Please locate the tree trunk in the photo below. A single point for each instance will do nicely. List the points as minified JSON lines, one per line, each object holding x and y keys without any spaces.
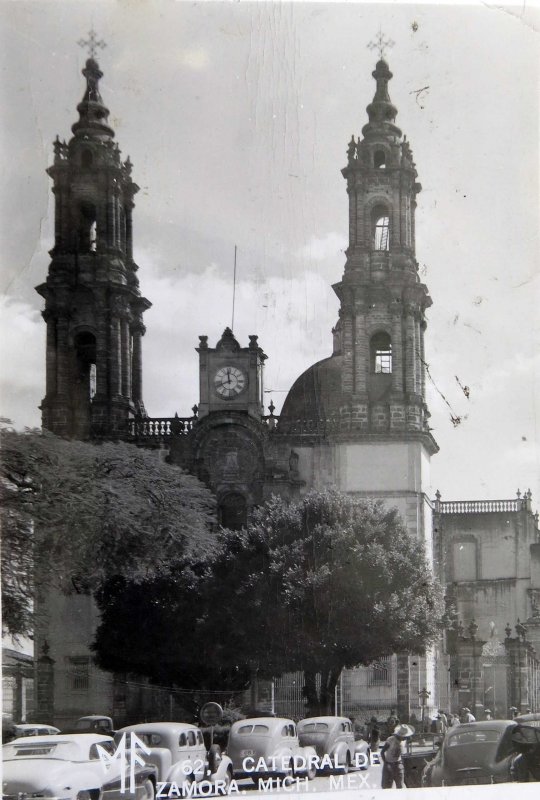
{"x":321,"y":702}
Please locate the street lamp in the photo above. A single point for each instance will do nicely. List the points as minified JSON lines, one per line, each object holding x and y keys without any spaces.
{"x":473,"y":629}
{"x":423,"y":694}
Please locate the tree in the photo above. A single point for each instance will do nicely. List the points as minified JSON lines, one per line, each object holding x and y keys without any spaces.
{"x":75,"y":514}
{"x":319,"y":585}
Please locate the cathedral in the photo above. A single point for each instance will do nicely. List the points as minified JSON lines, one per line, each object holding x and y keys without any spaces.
{"x":357,"y":420}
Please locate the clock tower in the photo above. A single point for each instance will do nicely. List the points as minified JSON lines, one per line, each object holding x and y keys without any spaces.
{"x":231,"y":376}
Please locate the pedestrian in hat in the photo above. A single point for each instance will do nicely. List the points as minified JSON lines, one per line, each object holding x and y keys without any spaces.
{"x":392,"y":756}
{"x":466,"y":716}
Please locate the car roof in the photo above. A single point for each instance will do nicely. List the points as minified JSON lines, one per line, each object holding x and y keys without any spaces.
{"x":27,"y":725}
{"x":327,"y":719}
{"x":159,"y":727}
{"x":94,"y":716}
{"x":56,"y":738}
{"x":527,"y":718}
{"x":270,"y":721}
{"x":497,"y":724}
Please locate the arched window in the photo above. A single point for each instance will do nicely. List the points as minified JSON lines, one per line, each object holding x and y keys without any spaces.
{"x":233,"y":511}
{"x":381,"y":228}
{"x":85,"y":352}
{"x":379,"y":159}
{"x":87,"y":228}
{"x":381,"y":353}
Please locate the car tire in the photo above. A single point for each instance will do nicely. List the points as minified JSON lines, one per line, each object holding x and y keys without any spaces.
{"x":347,"y":765}
{"x":368,"y":759}
{"x":148,"y":790}
{"x":228,"y":778}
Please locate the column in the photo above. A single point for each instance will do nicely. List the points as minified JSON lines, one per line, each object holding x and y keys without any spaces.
{"x":418,"y":355}
{"x":403,"y":700}
{"x":116,"y":358}
{"x":62,"y":355}
{"x":423,"y":326}
{"x":45,"y":687}
{"x":129,"y":232}
{"x":361,"y":359}
{"x":50,"y":358}
{"x":138,"y":331}
{"x":397,"y":351}
{"x":125,"y":348}
{"x":410,"y":345}
{"x":348,"y":360}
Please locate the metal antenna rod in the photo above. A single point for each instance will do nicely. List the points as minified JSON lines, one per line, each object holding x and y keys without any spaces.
{"x":234,"y":290}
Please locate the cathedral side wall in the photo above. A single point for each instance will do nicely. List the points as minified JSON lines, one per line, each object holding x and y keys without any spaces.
{"x":395,"y":472}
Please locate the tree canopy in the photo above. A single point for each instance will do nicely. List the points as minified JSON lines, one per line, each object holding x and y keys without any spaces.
{"x":76,"y":514}
{"x":318,"y":585}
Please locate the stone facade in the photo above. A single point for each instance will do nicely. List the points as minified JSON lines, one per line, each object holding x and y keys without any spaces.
{"x":487,"y":554}
{"x":356,"y":420}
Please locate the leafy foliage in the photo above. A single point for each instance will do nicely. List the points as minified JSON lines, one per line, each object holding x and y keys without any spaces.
{"x":78,"y":514}
{"x":325,"y":583}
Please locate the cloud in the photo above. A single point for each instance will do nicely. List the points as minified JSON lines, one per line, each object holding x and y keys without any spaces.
{"x":291,"y":316}
{"x":324,"y":247}
{"x":22,"y":354}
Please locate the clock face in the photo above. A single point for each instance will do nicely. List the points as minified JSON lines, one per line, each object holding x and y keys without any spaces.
{"x":229,"y":382}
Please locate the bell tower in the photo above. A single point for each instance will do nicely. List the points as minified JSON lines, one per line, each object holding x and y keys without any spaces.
{"x":93,"y":306}
{"x":383,"y":301}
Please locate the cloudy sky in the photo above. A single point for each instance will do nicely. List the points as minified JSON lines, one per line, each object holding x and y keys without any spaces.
{"x":237,"y":118}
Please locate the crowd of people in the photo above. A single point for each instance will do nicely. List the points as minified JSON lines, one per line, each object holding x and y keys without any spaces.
{"x":394,"y":734}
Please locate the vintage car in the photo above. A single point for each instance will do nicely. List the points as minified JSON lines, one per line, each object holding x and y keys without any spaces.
{"x":473,"y":753}
{"x":69,"y":766}
{"x":178,"y":752}
{"x":31,"y":729}
{"x":531,"y":720}
{"x":94,"y":723}
{"x":333,"y":737}
{"x":268,"y":747}
{"x":526,"y":765}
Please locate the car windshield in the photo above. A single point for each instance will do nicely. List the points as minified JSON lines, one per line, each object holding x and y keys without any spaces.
{"x":149,"y":739}
{"x":84,"y":724}
{"x":65,"y":751}
{"x":245,"y":730}
{"x":473,"y":736}
{"x":311,"y":727}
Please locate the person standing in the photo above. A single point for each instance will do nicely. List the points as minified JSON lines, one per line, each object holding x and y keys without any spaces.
{"x":374,"y":735}
{"x":466,"y":716}
{"x":392,"y":756}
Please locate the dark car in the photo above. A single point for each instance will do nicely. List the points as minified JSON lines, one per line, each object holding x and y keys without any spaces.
{"x":474,"y":753}
{"x":526,"y":765}
{"x":531,"y":720}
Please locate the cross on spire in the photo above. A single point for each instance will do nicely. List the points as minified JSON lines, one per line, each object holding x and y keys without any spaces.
{"x":92,"y":43}
{"x":380,"y":43}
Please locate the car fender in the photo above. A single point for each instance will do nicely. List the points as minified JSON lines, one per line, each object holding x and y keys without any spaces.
{"x":178,"y":773}
{"x":309,"y":754}
{"x":282,"y":755}
{"x":224,"y":766}
{"x":340,"y":751}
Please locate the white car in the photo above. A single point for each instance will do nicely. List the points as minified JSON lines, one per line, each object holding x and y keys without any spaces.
{"x":178,"y":752}
{"x":69,"y":767}
{"x":33,"y":729}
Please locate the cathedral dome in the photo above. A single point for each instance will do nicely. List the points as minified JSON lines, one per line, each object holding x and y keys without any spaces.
{"x":314,"y":397}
